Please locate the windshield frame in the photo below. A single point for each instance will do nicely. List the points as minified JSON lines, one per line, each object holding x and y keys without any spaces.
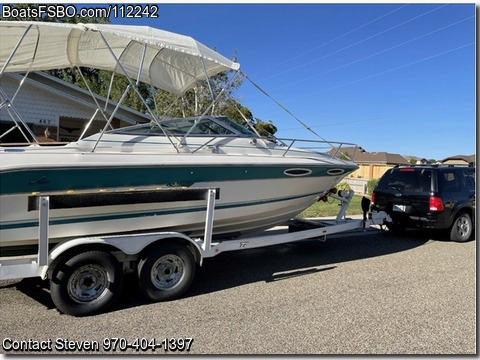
{"x":185,"y":127}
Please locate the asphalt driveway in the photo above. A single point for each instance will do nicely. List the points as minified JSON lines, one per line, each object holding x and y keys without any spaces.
{"x":356,"y":293}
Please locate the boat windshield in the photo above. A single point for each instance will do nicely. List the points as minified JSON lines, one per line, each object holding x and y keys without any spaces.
{"x":211,"y":126}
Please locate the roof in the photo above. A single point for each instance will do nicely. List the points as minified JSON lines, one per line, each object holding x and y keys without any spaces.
{"x":363,"y":157}
{"x":468,"y":159}
{"x":379,"y":158}
{"x":360,"y":156}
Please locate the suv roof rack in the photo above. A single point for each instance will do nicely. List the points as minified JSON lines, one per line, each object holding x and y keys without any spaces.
{"x":435,"y":165}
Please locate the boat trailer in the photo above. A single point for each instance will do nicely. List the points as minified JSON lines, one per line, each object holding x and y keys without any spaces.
{"x":86,"y":274}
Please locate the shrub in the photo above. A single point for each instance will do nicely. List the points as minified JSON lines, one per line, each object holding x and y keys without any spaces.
{"x":371,"y":185}
{"x":343,"y":186}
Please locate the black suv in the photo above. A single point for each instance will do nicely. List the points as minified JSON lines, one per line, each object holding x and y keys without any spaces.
{"x":428,"y":197}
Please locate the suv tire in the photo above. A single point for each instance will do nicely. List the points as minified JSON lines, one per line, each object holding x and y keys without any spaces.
{"x":461,"y":230}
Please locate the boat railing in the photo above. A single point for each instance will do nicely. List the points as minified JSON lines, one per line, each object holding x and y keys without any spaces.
{"x":333,"y":149}
{"x":342,"y":150}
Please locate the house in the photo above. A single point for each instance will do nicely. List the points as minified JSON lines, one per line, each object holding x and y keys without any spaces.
{"x":56,"y":110}
{"x":459,"y":160}
{"x":372,"y":165}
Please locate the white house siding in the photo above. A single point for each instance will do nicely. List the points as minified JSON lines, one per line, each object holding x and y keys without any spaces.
{"x":44,"y":102}
{"x":41,"y":106}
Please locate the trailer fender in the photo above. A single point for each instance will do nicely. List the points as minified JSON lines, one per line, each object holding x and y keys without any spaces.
{"x":130,"y":244}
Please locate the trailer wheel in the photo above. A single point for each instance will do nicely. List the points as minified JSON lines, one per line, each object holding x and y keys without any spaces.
{"x":166,"y":272}
{"x":86,"y":283}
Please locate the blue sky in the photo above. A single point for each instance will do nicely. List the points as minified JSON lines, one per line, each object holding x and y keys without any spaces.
{"x":389,"y":77}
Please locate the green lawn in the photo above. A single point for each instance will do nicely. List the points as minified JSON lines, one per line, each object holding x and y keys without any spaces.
{"x":332,"y":207}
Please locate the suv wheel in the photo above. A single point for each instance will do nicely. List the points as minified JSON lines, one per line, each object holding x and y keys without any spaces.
{"x":462,"y":228}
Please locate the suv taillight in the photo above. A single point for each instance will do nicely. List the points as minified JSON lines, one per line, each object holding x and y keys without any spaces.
{"x":435,"y":203}
{"x":373,"y":198}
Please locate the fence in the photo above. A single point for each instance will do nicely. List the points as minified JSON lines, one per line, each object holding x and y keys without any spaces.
{"x":359,"y":185}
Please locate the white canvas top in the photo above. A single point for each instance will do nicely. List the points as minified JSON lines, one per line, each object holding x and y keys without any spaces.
{"x":172,"y":61}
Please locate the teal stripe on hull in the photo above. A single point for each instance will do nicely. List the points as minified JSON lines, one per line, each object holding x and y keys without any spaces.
{"x":107,"y":217}
{"x":61,"y":179}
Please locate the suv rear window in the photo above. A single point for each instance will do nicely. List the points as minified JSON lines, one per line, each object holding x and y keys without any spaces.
{"x":407,"y":180}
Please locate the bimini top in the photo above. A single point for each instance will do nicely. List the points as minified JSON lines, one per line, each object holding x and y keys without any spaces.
{"x":172,"y":62}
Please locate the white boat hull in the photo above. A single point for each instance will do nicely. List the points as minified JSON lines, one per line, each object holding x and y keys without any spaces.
{"x":243,"y":207}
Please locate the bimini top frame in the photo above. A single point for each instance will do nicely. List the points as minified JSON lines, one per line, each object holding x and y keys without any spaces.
{"x":165,"y":60}
{"x":168,"y":61}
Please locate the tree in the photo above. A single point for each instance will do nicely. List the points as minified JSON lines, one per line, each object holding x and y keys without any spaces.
{"x":198,"y":100}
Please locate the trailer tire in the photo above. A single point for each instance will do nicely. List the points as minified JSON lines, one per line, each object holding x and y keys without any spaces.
{"x":166,"y":272}
{"x":86,"y":283}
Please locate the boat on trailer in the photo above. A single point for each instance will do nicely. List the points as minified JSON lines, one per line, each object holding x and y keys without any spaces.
{"x":260,"y":182}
